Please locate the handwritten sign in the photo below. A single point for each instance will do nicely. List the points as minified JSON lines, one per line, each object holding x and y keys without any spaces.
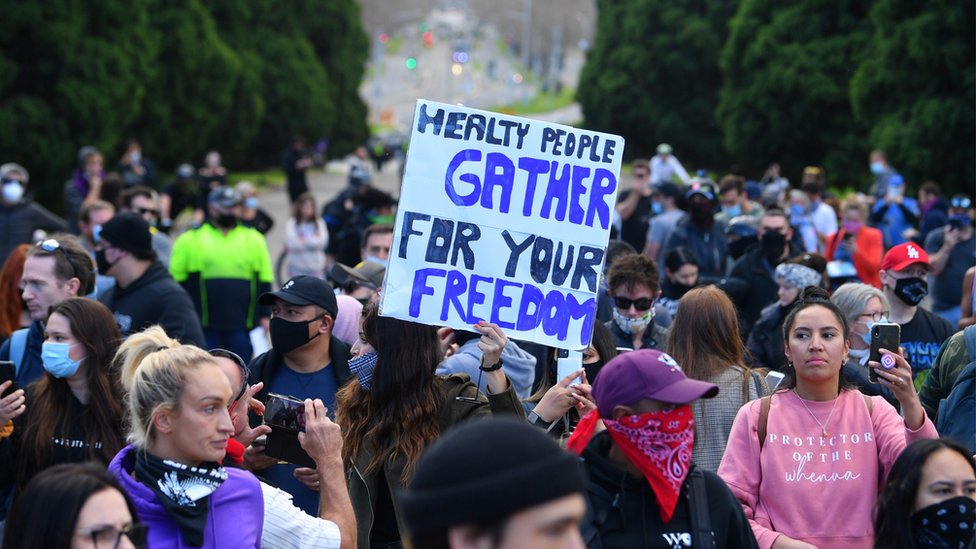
{"x":503,"y":219}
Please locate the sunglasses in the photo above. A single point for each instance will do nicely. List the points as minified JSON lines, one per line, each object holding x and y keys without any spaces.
{"x":961,"y":202}
{"x":236,"y":359}
{"x":50,"y":245}
{"x":641,"y":304}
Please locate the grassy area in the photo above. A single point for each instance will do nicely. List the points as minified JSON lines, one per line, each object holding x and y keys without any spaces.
{"x":274,"y":177}
{"x":543,"y":102}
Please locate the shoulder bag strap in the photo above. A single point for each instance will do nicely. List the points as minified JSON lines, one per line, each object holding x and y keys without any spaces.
{"x":702,"y":536}
{"x":763,"y":419}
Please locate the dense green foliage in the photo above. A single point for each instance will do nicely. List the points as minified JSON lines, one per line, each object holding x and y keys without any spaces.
{"x":806,"y":82}
{"x":182,"y":76}
{"x":653,"y":76}
{"x":916,"y":89}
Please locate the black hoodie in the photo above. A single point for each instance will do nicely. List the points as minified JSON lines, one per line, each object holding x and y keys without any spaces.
{"x":155,"y":298}
{"x":622,"y":511}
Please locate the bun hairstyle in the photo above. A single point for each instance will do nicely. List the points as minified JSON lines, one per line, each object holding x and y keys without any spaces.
{"x":153,"y":368}
{"x":810,"y":296}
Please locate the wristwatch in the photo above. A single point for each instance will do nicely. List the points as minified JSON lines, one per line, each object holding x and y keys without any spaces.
{"x":534,"y":419}
{"x":491,"y":368}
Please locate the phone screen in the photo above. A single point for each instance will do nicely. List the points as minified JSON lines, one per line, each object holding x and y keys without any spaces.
{"x":285,"y":411}
{"x":883,"y":336}
{"x":8,"y":372}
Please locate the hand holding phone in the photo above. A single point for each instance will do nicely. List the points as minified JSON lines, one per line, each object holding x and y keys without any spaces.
{"x":568,"y":362}
{"x":286,"y":416}
{"x":883,"y":336}
{"x":12,"y":403}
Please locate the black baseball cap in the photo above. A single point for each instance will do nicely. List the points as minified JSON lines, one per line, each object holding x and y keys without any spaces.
{"x":304,"y":290}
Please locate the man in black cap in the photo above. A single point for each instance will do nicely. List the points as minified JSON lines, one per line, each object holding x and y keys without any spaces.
{"x":698,"y":231}
{"x":496,"y":483}
{"x":305,"y":362}
{"x":224,"y":266}
{"x":144,"y":294}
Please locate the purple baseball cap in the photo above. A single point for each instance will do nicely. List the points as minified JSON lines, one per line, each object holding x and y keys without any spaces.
{"x":645,"y":373}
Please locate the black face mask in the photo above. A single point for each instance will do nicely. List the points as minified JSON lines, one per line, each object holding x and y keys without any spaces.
{"x":286,"y":336}
{"x":701,"y":214}
{"x":225,"y":221}
{"x":772,"y":243}
{"x":102,"y":263}
{"x":948,"y":523}
{"x":911,"y":290}
{"x":592,"y":370}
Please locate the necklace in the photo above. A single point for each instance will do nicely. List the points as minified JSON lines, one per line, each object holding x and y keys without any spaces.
{"x":823,"y":426}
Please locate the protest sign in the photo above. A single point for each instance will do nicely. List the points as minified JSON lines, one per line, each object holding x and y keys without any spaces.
{"x":502,"y":219}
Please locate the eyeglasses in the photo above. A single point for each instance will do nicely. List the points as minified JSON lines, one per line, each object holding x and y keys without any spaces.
{"x":236,"y":359}
{"x":641,"y":304}
{"x":961,"y":202}
{"x":640,"y":175}
{"x":110,"y":536}
{"x":876,"y":317}
{"x":144,"y":211}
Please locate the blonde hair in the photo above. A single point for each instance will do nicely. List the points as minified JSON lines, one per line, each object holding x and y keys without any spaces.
{"x":153,"y":368}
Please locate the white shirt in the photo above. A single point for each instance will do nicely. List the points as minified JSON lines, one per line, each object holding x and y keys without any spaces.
{"x":664,"y":170}
{"x":824,"y":220}
{"x":287,"y":526}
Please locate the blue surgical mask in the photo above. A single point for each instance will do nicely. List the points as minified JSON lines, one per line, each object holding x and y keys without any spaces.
{"x":877,"y":168}
{"x":797,"y":210}
{"x":251,"y":203}
{"x":374,"y":259}
{"x":732,"y":211}
{"x":56,"y":360}
{"x":656,"y":208}
{"x":866,"y":336}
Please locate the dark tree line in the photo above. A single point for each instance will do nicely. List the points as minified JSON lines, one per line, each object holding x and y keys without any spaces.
{"x":808,"y":82}
{"x":182,"y":76}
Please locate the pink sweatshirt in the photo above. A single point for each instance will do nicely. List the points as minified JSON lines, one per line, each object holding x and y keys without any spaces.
{"x":821,"y":490}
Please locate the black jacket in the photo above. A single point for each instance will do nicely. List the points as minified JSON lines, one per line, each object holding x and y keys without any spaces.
{"x":264,"y":367}
{"x":19,"y":221}
{"x":757,"y":275}
{"x":622,"y":511}
{"x":765,"y":342}
{"x":655,"y":337}
{"x":155,"y":298}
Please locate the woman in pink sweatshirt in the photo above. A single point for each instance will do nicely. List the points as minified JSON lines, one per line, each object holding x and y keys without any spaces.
{"x":808,"y":462}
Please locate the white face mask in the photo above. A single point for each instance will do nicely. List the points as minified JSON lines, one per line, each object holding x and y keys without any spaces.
{"x":632,"y":325}
{"x":13,"y":192}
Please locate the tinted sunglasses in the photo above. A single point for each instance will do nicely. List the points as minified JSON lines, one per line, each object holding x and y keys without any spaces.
{"x":641,"y":304}
{"x":236,"y":359}
{"x":961,"y":202}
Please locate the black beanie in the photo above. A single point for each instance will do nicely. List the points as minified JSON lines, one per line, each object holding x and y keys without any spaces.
{"x":485,"y":471}
{"x":128,"y":231}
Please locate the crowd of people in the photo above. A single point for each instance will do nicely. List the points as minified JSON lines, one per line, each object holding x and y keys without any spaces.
{"x":730,"y":397}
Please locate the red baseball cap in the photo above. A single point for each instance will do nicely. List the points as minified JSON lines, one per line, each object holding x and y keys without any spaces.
{"x":645,"y":373}
{"x":902,"y":256}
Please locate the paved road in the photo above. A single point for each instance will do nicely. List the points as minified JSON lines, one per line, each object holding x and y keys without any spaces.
{"x":325,"y":185}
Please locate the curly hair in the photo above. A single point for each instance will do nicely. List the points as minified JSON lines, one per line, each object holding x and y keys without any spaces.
{"x":404,"y":401}
{"x":633,"y":270}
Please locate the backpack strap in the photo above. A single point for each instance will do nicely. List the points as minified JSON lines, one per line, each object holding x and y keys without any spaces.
{"x":869,"y":403}
{"x":18,"y":348}
{"x":969,"y":335}
{"x":701,"y":524}
{"x":763,"y":419}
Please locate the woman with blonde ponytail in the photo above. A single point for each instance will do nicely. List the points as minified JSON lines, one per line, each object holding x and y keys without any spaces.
{"x":178,"y":428}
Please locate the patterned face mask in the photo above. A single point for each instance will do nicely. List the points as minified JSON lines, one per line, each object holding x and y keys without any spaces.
{"x":948,"y":523}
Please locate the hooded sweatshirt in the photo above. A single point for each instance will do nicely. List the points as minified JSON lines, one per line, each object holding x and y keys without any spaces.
{"x":517,"y":364}
{"x":235,"y":517}
{"x":821,"y":490}
{"x":155,"y":298}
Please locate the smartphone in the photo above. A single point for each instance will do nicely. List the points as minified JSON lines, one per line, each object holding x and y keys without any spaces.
{"x":568,"y":362}
{"x":883,"y":336}
{"x":773,"y":379}
{"x":8,"y":372}
{"x":286,"y":416}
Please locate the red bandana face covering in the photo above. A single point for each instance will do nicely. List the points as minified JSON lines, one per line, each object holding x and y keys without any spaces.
{"x":659,"y":444}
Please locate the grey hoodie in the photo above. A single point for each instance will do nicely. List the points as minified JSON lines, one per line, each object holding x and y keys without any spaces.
{"x":517,"y":364}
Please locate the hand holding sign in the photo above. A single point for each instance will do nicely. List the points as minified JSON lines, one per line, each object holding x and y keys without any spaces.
{"x":491,"y":344}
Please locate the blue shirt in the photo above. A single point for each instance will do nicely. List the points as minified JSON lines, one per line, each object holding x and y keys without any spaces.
{"x":322,"y":385}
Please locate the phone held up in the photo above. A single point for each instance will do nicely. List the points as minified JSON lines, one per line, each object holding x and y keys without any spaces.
{"x":8,"y":373}
{"x":883,"y":336}
{"x":568,"y":362}
{"x":286,"y":416}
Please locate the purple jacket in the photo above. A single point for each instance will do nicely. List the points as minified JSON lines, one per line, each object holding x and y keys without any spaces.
{"x":236,"y":509}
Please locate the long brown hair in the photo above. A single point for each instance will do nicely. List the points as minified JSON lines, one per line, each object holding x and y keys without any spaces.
{"x":93,"y":325}
{"x":12,"y":304}
{"x":704,"y":335}
{"x":402,"y":407}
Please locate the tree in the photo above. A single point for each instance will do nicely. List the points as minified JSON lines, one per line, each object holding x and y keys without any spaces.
{"x":915,"y":90}
{"x":786,"y":97}
{"x":71,"y":74}
{"x":653,"y":76}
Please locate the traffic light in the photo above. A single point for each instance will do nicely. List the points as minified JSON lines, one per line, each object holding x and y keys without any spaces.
{"x":411,"y":63}
{"x":384,"y":38}
{"x":428,"y":38}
